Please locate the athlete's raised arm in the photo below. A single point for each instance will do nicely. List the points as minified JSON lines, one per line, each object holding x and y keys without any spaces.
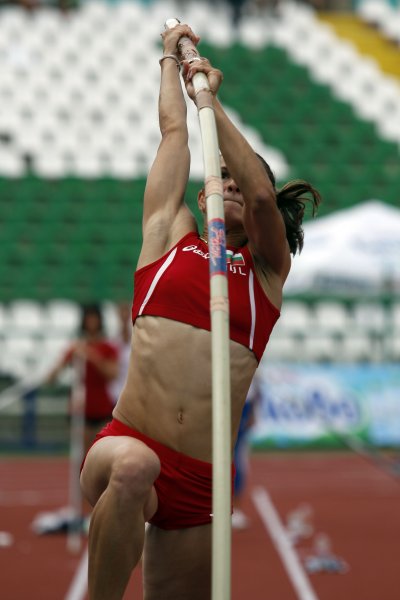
{"x":262,"y":219}
{"x":165,"y":216}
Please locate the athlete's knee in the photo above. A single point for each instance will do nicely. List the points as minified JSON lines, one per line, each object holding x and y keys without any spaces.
{"x":133,"y":473}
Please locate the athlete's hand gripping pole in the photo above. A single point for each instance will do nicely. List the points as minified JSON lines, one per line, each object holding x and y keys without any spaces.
{"x":221,"y":398}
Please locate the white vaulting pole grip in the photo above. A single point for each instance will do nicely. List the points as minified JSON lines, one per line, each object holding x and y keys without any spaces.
{"x":219,"y":307}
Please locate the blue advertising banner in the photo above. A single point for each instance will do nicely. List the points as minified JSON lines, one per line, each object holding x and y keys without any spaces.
{"x":312,"y":404}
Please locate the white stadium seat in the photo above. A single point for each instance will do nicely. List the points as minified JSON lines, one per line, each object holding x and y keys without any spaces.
{"x":19,"y":356}
{"x":296,"y":317}
{"x":62,"y":318}
{"x":331,"y":317}
{"x":356,"y":348}
{"x":320,"y":348}
{"x":50,"y":165}
{"x":283,"y":348}
{"x":393,"y":349}
{"x":3,"y":317}
{"x":374,"y":11}
{"x":395,"y":318}
{"x":111,"y":319}
{"x":11,"y":165}
{"x":371,"y":317}
{"x":25,"y":317}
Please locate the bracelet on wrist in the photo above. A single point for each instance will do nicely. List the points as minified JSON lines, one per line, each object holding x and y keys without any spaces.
{"x":178,"y":64}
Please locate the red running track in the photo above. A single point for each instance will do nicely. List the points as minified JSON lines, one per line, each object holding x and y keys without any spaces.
{"x":353,"y":502}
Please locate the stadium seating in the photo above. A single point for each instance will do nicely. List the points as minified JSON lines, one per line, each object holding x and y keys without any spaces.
{"x":78,"y":132}
{"x":34,"y":334}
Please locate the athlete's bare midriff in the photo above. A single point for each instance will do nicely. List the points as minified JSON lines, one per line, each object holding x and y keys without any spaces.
{"x":167,"y":395}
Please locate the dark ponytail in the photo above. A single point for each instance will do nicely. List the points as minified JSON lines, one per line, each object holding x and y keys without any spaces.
{"x":291,"y":202}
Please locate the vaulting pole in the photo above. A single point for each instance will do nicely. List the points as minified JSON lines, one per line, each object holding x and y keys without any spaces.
{"x":219,"y":307}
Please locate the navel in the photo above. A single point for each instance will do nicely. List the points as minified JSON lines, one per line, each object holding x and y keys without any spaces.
{"x":180,"y":417}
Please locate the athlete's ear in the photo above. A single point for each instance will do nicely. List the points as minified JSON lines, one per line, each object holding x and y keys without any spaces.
{"x":201,"y":200}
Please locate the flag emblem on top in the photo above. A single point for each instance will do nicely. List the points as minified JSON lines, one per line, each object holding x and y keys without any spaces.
{"x":236,"y":260}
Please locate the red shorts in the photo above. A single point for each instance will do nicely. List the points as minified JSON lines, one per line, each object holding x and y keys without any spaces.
{"x":184,"y":486}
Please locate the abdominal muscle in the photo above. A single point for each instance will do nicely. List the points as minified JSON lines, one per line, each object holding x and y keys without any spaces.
{"x":167,"y":394}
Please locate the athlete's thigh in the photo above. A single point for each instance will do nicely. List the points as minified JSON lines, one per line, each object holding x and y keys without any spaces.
{"x":101,"y":458}
{"x":177,"y":564}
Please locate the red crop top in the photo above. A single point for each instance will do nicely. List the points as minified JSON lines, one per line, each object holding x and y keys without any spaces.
{"x":177,"y":286}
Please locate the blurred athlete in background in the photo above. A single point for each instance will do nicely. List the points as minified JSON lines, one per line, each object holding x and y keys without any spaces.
{"x":99,"y":360}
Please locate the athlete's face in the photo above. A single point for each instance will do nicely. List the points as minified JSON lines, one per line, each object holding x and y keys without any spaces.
{"x":91,"y":323}
{"x":232,"y":197}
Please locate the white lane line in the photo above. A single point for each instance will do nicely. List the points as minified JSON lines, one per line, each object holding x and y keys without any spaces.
{"x":273,"y":525}
{"x":78,"y":588}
